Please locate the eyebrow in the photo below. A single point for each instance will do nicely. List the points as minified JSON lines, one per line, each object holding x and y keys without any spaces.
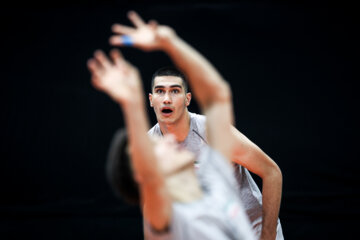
{"x":171,"y":86}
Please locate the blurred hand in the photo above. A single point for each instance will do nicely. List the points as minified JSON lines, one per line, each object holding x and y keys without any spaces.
{"x":146,"y":36}
{"x":116,"y":77}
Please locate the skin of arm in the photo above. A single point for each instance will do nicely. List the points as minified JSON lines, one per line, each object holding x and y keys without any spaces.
{"x":121,"y":81}
{"x":215,"y":100}
{"x":214,"y":97}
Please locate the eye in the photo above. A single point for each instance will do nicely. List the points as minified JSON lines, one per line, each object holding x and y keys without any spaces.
{"x":175,"y":91}
{"x":159,"y":91}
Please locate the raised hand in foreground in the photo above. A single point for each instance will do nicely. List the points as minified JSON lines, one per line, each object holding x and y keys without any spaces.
{"x":115,"y":77}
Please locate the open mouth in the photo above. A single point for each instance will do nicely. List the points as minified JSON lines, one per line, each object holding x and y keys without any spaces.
{"x":166,"y":110}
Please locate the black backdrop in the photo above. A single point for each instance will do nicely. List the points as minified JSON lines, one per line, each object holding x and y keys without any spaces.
{"x":292,"y":72}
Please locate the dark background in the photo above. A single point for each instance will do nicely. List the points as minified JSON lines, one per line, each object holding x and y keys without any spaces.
{"x":292,"y":72}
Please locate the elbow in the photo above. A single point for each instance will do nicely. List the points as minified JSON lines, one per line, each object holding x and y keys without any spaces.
{"x":278,"y":174}
{"x":274,"y":173}
{"x":271,"y":173}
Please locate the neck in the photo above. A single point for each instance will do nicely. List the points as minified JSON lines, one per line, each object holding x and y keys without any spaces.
{"x":179,"y":129}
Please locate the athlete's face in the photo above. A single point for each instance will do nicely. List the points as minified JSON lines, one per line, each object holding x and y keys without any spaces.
{"x":169,"y":99}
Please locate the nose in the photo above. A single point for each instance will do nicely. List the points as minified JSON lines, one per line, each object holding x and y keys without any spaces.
{"x":167,"y":98}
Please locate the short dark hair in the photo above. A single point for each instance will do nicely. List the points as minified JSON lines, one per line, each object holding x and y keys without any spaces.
{"x":119,"y":171}
{"x":170,"y":71}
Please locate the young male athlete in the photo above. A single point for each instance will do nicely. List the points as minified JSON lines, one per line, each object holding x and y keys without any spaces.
{"x":170,"y":99}
{"x":176,"y":201}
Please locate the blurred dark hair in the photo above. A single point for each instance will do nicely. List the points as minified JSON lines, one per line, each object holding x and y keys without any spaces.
{"x":119,"y":171}
{"x":170,"y":71}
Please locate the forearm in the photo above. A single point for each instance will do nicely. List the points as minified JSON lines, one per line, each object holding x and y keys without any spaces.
{"x":250,"y":156}
{"x":210,"y":90}
{"x":206,"y":82}
{"x":271,"y":198}
{"x":121,"y":81}
{"x":256,"y":161}
{"x":155,"y":198}
{"x":141,"y":146}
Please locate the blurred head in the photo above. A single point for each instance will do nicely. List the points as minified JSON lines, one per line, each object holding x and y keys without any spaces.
{"x":170,"y":97}
{"x":170,"y":159}
{"x":119,"y":170}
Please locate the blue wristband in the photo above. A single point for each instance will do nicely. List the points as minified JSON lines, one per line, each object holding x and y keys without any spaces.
{"x":127,"y":40}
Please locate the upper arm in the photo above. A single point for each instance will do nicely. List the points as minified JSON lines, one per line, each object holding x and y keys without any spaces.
{"x":219,"y":114}
{"x":249,"y":155}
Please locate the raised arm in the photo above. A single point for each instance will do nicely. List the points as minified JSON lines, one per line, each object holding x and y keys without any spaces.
{"x":121,"y":81}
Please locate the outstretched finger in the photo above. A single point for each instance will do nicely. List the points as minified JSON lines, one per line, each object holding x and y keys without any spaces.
{"x":93,"y":67}
{"x":136,"y":19}
{"x":122,"y":29}
{"x":117,"y":57}
{"x":124,"y":40}
{"x":120,"y":61}
{"x":95,"y":81}
{"x":102,"y":59}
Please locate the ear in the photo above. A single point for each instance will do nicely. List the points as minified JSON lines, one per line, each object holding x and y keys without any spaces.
{"x":188,"y":98}
{"x":150,"y":100}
